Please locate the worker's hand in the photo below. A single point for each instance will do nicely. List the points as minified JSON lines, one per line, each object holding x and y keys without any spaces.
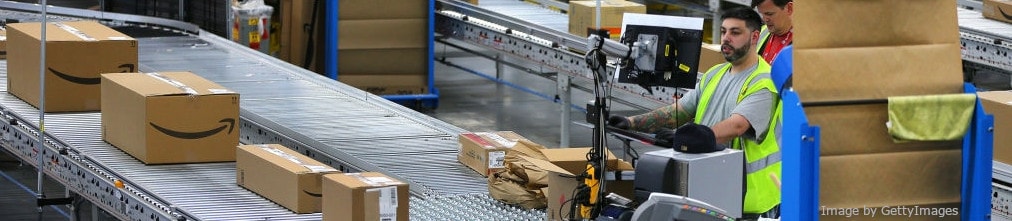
{"x":619,"y":121}
{"x":666,"y":135}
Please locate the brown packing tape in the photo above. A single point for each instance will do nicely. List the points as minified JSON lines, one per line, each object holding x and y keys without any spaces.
{"x":876,"y":180}
{"x":843,"y":74}
{"x":861,"y":23}
{"x":861,"y":129}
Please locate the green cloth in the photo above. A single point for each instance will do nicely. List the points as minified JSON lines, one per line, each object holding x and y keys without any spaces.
{"x":930,"y":118}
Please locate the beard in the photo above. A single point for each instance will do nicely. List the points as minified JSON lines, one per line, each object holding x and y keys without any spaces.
{"x":736,"y":53}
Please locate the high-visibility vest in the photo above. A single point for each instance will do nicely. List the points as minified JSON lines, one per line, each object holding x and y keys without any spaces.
{"x":764,"y":35}
{"x":762,"y":160}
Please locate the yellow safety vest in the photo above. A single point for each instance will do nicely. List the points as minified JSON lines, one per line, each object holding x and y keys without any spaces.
{"x":761,"y":159}
{"x":764,"y":35}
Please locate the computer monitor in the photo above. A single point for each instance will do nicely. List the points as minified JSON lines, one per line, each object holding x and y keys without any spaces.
{"x":672,"y":50}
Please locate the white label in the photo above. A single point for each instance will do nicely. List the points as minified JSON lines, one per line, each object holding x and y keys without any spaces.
{"x":174,"y":83}
{"x":387,"y":203}
{"x":75,"y":32}
{"x":497,"y":159}
{"x":500,"y":140}
{"x":319,"y":169}
{"x":117,"y":38}
{"x":374,"y":181}
{"x":295,"y":159}
{"x":220,"y":91}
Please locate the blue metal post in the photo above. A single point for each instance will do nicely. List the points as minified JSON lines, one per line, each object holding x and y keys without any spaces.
{"x":800,"y":146}
{"x":330,"y":56}
{"x":977,"y":155}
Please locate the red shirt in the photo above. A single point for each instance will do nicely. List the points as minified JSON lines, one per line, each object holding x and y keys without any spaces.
{"x":775,"y":43}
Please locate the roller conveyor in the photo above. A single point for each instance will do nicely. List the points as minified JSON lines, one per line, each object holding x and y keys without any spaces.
{"x":336,"y":124}
{"x":986,"y":42}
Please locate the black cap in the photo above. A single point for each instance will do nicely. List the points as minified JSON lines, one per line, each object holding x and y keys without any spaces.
{"x":695,"y":138}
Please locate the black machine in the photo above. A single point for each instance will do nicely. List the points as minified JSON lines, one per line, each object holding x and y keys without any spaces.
{"x":653,"y":53}
{"x":671,"y":57}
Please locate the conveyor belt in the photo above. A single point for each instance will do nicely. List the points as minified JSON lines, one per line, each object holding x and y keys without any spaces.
{"x":986,"y":42}
{"x":339,"y":125}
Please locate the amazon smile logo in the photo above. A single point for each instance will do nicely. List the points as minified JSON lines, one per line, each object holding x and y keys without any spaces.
{"x":125,"y":68}
{"x":1007,"y":16}
{"x":199,"y":134}
{"x":313,"y":194}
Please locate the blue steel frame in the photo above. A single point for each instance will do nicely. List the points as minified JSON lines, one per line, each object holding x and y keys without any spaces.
{"x":800,"y":147}
{"x":430,"y":100}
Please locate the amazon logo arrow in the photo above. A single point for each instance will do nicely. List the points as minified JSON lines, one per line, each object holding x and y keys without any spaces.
{"x":1007,"y":16}
{"x":199,"y":134}
{"x":127,"y":68}
{"x":313,"y":194}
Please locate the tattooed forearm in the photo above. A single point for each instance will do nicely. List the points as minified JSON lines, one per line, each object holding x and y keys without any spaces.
{"x":664,"y":117}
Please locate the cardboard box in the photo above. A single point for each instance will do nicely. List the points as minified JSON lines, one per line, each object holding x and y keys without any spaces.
{"x":840,"y":74}
{"x":999,"y":10}
{"x":582,"y":15}
{"x":710,"y":56}
{"x":383,"y":34}
{"x":388,"y":84}
{"x":281,"y":175}
{"x":874,"y":23}
{"x":861,"y":129}
{"x":485,"y":152}
{"x":382,"y":9}
{"x":890,"y":179}
{"x":170,"y":117}
{"x":364,"y":196}
{"x":999,"y":104}
{"x":76,"y":53}
{"x":378,"y":61}
{"x":566,"y":162}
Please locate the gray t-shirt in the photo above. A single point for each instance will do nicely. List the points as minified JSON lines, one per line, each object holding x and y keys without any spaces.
{"x":756,"y":108}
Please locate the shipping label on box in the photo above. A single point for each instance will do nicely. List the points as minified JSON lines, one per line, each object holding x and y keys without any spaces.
{"x":281,"y":175}
{"x":999,"y":104}
{"x":170,"y":117}
{"x":76,"y":54}
{"x":485,"y":152}
{"x":364,"y":196}
{"x":1000,"y":10}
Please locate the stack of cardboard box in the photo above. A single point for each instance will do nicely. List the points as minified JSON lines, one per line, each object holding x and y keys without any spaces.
{"x":886,"y":48}
{"x":383,"y":45}
{"x":582,"y":16}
